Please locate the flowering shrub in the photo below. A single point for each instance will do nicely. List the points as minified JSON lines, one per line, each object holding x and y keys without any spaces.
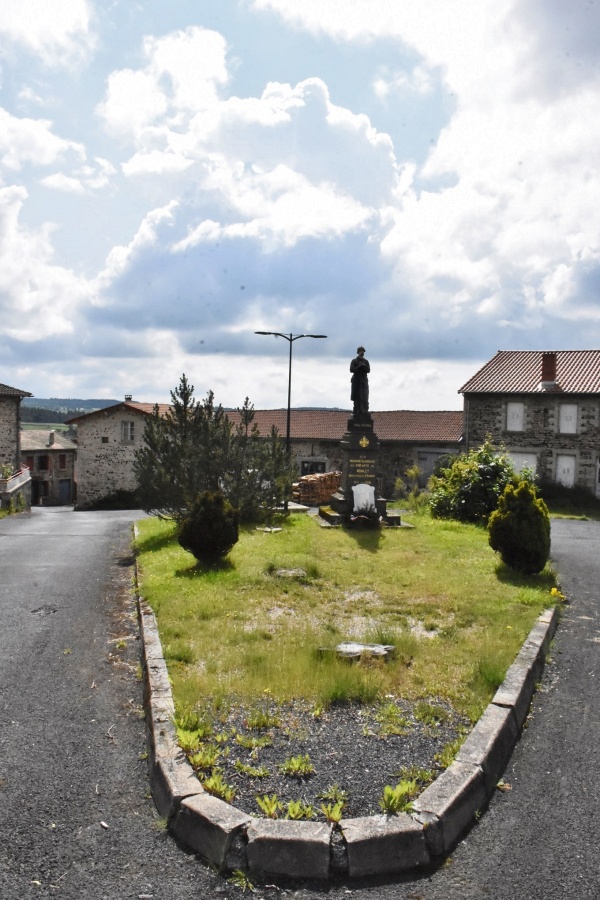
{"x":470,"y":487}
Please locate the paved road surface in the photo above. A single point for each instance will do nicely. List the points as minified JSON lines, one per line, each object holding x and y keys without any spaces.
{"x":71,"y":740}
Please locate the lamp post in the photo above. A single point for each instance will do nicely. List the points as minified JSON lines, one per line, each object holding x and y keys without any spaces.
{"x":290,"y":338}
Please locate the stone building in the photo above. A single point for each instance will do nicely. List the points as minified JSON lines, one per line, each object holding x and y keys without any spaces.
{"x":107,"y":440}
{"x":50,"y":458}
{"x":406,"y":438}
{"x":544,"y":408}
{"x":14,"y":482}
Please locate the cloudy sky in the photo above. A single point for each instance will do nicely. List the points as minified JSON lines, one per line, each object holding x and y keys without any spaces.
{"x":419,"y":176}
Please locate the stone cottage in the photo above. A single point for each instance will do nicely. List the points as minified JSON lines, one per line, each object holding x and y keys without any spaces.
{"x":50,"y":458}
{"x":107,"y":440}
{"x":14,"y":481}
{"x":544,"y":408}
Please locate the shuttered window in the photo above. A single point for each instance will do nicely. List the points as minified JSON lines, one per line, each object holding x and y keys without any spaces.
{"x":567,"y":418}
{"x":515,"y":416}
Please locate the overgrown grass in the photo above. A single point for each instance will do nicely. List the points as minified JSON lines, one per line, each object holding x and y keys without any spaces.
{"x":245,"y":631}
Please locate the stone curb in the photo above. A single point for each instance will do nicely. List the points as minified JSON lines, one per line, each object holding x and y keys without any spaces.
{"x":371,"y":845}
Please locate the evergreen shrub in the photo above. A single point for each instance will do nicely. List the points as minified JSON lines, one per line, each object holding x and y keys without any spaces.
{"x":519,"y":529}
{"x":211,"y":528}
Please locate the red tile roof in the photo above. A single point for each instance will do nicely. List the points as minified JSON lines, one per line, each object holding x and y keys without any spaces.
{"x":520,"y":372}
{"x":331,"y":424}
{"x":146,"y":408}
{"x":6,"y":391}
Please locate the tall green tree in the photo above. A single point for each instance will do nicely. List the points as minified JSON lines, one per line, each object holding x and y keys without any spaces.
{"x":195,"y":448}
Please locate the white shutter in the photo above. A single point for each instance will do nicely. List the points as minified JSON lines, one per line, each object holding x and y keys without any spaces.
{"x":567,"y":418}
{"x":565,"y":470}
{"x":515,"y":415}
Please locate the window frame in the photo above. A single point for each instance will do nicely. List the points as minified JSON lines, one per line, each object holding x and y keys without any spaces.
{"x":127,"y":431}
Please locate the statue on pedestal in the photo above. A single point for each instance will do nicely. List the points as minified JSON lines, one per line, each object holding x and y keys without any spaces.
{"x":359,"y":394}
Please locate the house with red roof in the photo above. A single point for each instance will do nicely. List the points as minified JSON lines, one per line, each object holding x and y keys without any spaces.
{"x":108,"y":438}
{"x":544,"y":408}
{"x":50,"y":457}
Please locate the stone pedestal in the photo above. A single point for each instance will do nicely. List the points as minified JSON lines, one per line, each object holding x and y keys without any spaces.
{"x":360,"y":448}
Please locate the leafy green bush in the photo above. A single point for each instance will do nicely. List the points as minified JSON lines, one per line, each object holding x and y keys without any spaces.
{"x":469,"y":488}
{"x":211,"y":528}
{"x":520,"y":529}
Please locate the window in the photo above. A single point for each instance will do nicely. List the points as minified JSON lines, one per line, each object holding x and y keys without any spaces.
{"x":29,"y":463}
{"x":515,"y":416}
{"x":311,"y":467}
{"x":565,"y":469}
{"x":522,"y":460}
{"x":43,"y":463}
{"x":567,"y":418}
{"x":105,"y":439}
{"x":62,"y":460}
{"x":127,"y":433}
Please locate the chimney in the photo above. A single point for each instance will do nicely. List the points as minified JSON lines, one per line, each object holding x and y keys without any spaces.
{"x":51,"y":437}
{"x":128,"y":398}
{"x":548,"y":371}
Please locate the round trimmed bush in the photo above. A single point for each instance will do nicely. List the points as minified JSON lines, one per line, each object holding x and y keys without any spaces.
{"x":519,"y":529}
{"x":211,"y":527}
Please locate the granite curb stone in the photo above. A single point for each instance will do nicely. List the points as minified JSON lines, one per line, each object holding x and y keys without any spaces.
{"x":210,"y":827}
{"x":448,"y":805}
{"x":289,"y":849}
{"x":378,"y":845}
{"x":374,"y":845}
{"x":490,"y":743}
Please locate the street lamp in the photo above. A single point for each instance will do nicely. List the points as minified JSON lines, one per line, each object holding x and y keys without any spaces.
{"x":290,"y":338}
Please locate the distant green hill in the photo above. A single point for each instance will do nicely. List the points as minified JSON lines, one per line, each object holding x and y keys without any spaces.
{"x":57,"y":409}
{"x":62,"y":404}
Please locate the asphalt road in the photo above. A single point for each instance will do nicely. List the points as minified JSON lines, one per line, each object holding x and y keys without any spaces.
{"x":75,"y":817}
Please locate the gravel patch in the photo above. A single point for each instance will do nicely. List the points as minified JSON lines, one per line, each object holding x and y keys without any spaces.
{"x":349,"y":746}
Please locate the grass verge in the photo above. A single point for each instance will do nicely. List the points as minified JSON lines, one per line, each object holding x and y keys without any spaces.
{"x":256,"y":626}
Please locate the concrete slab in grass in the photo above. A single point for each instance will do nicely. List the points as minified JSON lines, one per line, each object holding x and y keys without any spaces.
{"x":211,"y":827}
{"x":289,"y":849}
{"x":379,"y":845}
{"x":490,"y":743}
{"x":448,"y":805}
{"x":172,"y":779}
{"x":516,"y":691}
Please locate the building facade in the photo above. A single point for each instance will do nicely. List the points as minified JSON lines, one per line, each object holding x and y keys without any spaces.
{"x":15,"y":483}
{"x":106,"y":443}
{"x":544,"y":408}
{"x":50,"y":458}
{"x":107,"y":440}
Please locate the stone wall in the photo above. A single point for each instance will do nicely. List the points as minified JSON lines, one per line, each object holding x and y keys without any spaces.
{"x":9,"y":432}
{"x":326,"y":452}
{"x":486,"y":414}
{"x":105,"y":454}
